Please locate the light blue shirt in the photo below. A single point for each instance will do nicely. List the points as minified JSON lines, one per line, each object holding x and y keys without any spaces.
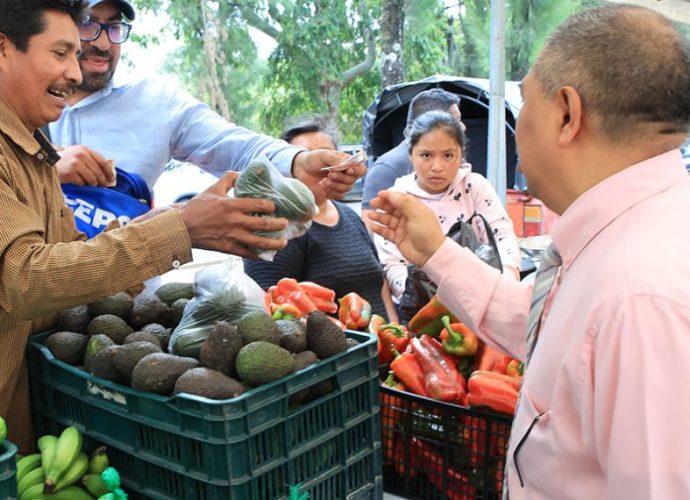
{"x":142,"y":124}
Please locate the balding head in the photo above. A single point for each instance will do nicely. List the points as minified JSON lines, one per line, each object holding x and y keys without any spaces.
{"x":630,"y":66}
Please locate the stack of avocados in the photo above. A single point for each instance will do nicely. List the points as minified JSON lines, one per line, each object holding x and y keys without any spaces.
{"x":125,"y":340}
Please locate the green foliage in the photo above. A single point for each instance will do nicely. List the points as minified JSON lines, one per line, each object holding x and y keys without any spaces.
{"x":318,"y":41}
{"x":425,"y":48}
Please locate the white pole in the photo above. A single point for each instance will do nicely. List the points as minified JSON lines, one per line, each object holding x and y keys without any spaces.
{"x":496,"y":150}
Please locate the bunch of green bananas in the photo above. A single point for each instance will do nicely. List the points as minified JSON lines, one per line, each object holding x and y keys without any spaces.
{"x":61,"y":463}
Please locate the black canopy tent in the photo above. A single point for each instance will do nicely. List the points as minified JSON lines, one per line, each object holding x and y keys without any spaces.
{"x":384,"y":121}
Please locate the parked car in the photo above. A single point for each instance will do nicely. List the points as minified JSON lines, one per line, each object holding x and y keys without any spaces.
{"x":180,"y":182}
{"x":384,"y":123}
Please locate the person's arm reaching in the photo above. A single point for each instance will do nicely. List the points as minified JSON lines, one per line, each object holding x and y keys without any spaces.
{"x":201,"y":136}
{"x":76,"y":272}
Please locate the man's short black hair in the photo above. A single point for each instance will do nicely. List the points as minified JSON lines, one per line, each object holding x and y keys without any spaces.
{"x":22,"y":19}
{"x":431,"y":100}
{"x":309,"y":124}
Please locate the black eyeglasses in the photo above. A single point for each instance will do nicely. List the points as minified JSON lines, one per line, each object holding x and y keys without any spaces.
{"x":118,"y":32}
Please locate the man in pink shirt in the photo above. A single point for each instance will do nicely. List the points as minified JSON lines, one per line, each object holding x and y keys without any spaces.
{"x":604,"y":407}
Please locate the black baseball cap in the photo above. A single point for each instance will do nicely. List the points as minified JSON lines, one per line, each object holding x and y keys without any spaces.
{"x":125,"y":7}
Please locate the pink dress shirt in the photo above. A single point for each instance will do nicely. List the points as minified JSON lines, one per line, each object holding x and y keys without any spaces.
{"x":605,"y":406}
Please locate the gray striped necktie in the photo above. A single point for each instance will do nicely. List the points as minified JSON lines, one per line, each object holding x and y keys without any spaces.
{"x":550,"y":262}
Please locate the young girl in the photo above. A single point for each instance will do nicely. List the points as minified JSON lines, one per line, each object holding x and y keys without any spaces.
{"x":452,"y":190}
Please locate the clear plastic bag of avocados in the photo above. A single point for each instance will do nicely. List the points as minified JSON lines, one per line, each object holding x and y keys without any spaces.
{"x":221,"y":292}
{"x":292,"y":198}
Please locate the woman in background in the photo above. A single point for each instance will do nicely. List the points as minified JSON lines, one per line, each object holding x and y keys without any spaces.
{"x":337,"y":251}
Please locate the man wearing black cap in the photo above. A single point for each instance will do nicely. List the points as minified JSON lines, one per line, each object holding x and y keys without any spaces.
{"x":142,"y":123}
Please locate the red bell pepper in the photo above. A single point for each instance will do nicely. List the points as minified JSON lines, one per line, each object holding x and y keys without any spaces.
{"x":391,"y":335}
{"x":407,"y":369}
{"x":493,"y":390}
{"x":322,"y":297}
{"x":515,"y":368}
{"x":427,"y":321}
{"x":457,"y":339}
{"x":492,"y":360}
{"x":285,"y":311}
{"x":502,"y":377}
{"x":461,"y":385}
{"x":324,"y":305}
{"x":287,"y":290}
{"x":440,"y":377}
{"x":317,"y":291}
{"x":354,"y":311}
{"x":390,"y":414}
{"x":457,"y":484}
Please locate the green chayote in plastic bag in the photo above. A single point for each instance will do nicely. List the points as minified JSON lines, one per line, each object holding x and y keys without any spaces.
{"x":292,"y":198}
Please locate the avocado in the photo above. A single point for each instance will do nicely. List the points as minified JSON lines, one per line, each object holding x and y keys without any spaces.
{"x":351,"y":342}
{"x":101,"y":364}
{"x":92,"y":360}
{"x":220,"y":348}
{"x":176,"y":312}
{"x":159,"y":371}
{"x":119,"y":304}
{"x":110,"y":325}
{"x":148,"y":309}
{"x":160,"y":332}
{"x":302,"y":360}
{"x":125,"y":357}
{"x":324,"y":337}
{"x":293,"y":335}
{"x":208,"y":383}
{"x":74,"y":319}
{"x":95,"y":344}
{"x":320,"y":389}
{"x":67,"y":346}
{"x":142,"y":337}
{"x":170,"y":292}
{"x":261,"y":362}
{"x":257,"y":325}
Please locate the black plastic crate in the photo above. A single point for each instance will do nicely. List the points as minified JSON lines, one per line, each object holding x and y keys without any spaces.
{"x":254,"y":446}
{"x":434,"y":450}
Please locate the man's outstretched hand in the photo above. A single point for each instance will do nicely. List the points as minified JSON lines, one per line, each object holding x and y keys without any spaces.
{"x":216,"y":222}
{"x":407,"y":222}
{"x":307,"y":167}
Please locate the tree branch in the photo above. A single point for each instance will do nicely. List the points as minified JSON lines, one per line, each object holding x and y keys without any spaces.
{"x":348,"y":75}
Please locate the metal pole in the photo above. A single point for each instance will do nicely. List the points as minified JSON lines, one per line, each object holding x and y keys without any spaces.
{"x":496,"y":150}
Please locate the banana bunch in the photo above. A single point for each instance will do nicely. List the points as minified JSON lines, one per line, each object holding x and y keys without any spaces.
{"x":55,"y":472}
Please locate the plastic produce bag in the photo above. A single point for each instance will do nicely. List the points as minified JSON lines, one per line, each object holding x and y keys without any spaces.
{"x":292,"y":198}
{"x":221,"y":292}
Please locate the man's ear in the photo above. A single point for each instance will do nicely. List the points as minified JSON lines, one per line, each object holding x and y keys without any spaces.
{"x":570,"y":104}
{"x":3,"y":43}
